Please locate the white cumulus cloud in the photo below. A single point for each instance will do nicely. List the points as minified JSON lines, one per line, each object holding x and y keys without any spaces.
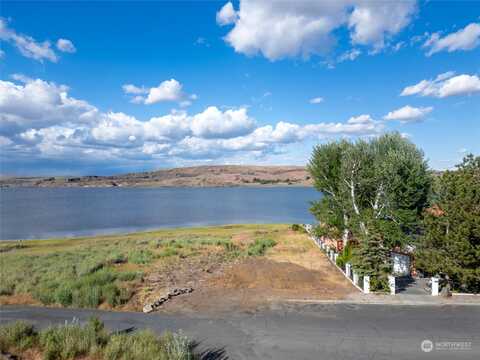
{"x":226,"y":15}
{"x":445,"y":85}
{"x":40,"y":120}
{"x":280,"y":29}
{"x":214,"y":123}
{"x":167,"y":91}
{"x":372,"y":22}
{"x":408,"y":113}
{"x":66,"y":45}
{"x":467,"y":38}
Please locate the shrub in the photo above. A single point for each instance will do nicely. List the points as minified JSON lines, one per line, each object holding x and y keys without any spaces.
{"x":297,"y":227}
{"x":116,"y":258}
{"x":86,"y":296}
{"x":7,"y":287}
{"x":177,"y":346}
{"x":111,"y":294}
{"x":18,"y":335}
{"x":345,"y":256}
{"x":379,"y":283}
{"x":45,"y":292}
{"x":68,"y":341}
{"x":145,"y":345}
{"x":64,"y":294}
{"x":140,"y":256}
{"x":99,"y":278}
{"x":139,"y":346}
{"x":260,"y":246}
{"x":168,"y":251}
{"x":89,"y":266}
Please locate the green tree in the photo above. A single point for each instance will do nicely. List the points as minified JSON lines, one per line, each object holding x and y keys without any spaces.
{"x":451,"y":242}
{"x":377,"y":189}
{"x":372,"y":258}
{"x":387,"y":181}
{"x":325,"y":169}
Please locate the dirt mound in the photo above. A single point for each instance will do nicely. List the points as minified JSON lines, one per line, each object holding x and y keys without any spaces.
{"x":271,"y":275}
{"x":253,"y":283}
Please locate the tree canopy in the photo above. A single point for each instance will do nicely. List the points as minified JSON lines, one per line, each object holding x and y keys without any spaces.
{"x":451,"y":242}
{"x":375,"y":190}
{"x":383,"y":182}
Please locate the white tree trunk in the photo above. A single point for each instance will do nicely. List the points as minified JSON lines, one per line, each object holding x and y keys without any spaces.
{"x":355,"y":207}
{"x":345,"y":231}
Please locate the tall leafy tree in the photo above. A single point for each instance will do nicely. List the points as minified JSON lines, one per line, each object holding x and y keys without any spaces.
{"x":325,"y":169}
{"x":376,"y":188}
{"x":451,"y":243}
{"x":388,"y":182}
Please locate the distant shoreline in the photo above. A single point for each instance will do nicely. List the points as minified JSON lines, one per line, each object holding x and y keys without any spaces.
{"x":198,"y":176}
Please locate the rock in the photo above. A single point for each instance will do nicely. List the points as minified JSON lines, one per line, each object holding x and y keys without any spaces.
{"x":147,"y":308}
{"x":171,"y":293}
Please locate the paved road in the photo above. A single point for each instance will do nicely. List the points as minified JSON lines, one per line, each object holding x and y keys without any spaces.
{"x":294,"y":332}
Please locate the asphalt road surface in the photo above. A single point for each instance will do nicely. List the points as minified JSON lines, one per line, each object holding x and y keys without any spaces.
{"x":294,"y":332}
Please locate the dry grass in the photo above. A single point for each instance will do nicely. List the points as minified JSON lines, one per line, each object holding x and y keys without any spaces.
{"x":107,"y":270}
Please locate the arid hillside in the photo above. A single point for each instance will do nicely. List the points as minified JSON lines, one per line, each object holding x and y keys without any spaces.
{"x":198,"y":176}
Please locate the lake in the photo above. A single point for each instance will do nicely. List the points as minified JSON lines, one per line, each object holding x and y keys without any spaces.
{"x":38,"y":213}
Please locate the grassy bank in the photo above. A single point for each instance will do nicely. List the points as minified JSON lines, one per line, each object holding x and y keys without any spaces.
{"x":106,"y":271}
{"x":91,"y":341}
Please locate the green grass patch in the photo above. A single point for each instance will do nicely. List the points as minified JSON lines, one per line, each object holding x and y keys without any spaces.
{"x":73,"y":340}
{"x":260,"y":247}
{"x":17,"y":336}
{"x":140,"y":256}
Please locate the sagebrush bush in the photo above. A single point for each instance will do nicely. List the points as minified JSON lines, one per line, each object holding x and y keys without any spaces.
{"x":143,"y":345}
{"x":72,"y":340}
{"x":140,"y":257}
{"x":177,"y":346}
{"x":168,"y":251}
{"x":260,"y":246}
{"x":64,"y":294}
{"x":111,"y":294}
{"x":87,"y":297}
{"x":7,"y":287}
{"x":18,"y":335}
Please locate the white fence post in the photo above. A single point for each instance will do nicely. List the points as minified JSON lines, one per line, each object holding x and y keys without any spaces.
{"x":335,"y":256}
{"x":366,"y":284}
{"x":348,"y":270}
{"x":355,"y":277}
{"x":391,"y":284}
{"x":434,"y":286}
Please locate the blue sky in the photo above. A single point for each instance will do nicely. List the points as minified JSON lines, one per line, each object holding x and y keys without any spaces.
{"x":249,"y":82}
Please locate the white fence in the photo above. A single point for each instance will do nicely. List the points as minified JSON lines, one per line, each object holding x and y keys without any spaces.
{"x":362,"y":283}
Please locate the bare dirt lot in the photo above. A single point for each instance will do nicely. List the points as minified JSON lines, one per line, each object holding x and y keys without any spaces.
{"x":293,"y":269}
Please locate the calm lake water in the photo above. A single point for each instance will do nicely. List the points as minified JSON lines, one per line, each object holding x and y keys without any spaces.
{"x":36,"y":213}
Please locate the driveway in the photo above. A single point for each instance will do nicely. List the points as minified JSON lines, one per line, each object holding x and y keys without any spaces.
{"x":303,"y":331}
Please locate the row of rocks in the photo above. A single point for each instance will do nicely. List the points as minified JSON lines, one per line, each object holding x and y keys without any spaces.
{"x":171,"y":293}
